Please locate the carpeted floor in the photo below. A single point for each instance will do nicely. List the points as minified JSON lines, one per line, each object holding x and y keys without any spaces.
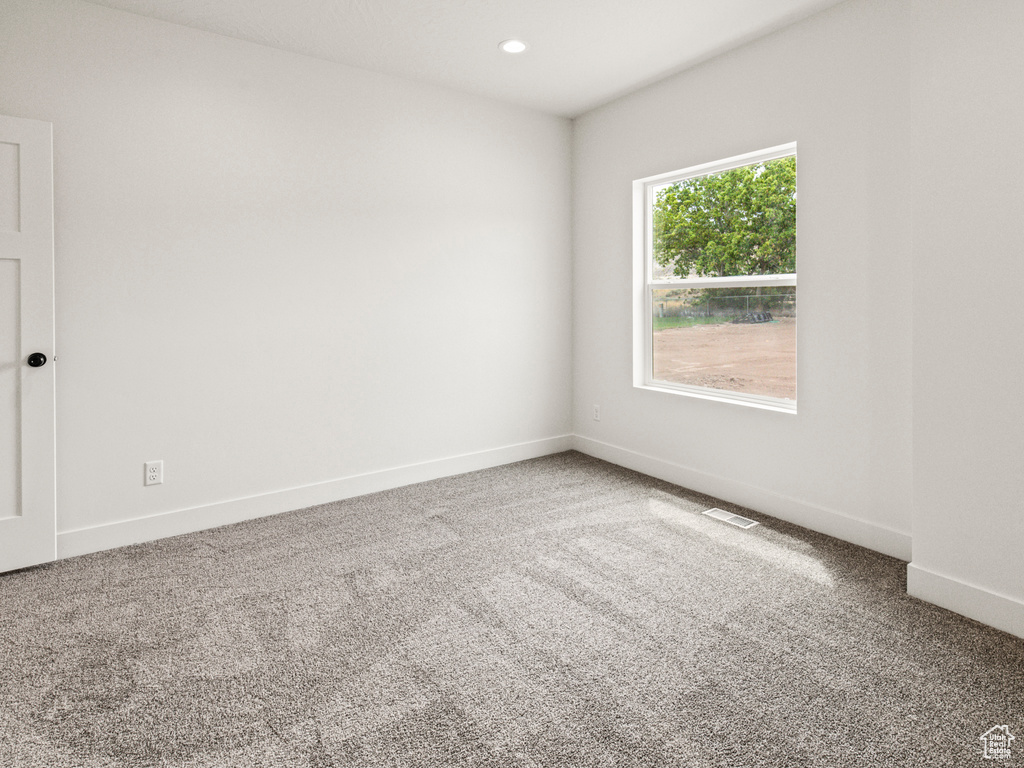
{"x":555,"y":612}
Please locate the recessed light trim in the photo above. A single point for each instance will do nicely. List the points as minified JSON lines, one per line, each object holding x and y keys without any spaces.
{"x":513,"y":46}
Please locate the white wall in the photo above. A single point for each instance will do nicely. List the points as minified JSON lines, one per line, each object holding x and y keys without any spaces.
{"x":836,"y":84}
{"x":274,"y":271}
{"x":968,"y":319}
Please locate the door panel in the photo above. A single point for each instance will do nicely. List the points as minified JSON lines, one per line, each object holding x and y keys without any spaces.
{"x":10,"y":386}
{"x":27,"y":513}
{"x":10,"y":181}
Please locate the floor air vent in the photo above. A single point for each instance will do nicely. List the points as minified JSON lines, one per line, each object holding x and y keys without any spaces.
{"x":729,"y":517}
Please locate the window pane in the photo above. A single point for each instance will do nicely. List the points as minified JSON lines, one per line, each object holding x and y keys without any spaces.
{"x":737,"y":222}
{"x":733,"y":339}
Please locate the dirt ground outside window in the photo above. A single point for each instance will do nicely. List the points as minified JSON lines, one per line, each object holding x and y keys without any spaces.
{"x":753,"y":358}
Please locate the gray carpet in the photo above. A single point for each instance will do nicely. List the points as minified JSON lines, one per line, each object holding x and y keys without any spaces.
{"x":555,"y":612}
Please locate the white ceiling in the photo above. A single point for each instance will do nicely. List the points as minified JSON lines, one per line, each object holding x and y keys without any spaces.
{"x":582,"y":52}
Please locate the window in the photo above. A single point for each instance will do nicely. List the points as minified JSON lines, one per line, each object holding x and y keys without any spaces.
{"x":715,"y":279}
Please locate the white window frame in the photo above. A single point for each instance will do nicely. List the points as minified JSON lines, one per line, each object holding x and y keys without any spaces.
{"x":644,"y":283}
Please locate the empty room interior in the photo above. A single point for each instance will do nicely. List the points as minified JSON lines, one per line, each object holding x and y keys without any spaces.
{"x":343,"y":424}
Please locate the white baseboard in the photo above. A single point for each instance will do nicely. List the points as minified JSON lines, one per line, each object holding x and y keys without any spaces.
{"x":991,"y":608}
{"x":999,"y":611}
{"x":827,"y":521}
{"x":125,"y":532}
{"x":122,"y":533}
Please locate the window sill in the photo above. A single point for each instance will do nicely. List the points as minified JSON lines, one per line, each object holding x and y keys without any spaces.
{"x":764,"y":402}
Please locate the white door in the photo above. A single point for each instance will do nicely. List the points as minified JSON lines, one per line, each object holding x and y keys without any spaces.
{"x":27,"y":514}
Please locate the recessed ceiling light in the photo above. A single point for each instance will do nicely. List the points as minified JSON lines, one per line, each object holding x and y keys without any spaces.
{"x":513,"y":46}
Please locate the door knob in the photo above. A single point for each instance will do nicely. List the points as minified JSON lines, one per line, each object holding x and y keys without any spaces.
{"x":37,"y":359}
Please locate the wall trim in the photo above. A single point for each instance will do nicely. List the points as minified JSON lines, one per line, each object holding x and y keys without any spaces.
{"x":828,"y":521}
{"x":137,"y":530}
{"x":996,"y":610}
{"x":991,"y":608}
{"x":125,"y":532}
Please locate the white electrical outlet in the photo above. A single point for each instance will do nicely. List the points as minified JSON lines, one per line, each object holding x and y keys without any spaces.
{"x":154,"y":472}
{"x":597,"y":413}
